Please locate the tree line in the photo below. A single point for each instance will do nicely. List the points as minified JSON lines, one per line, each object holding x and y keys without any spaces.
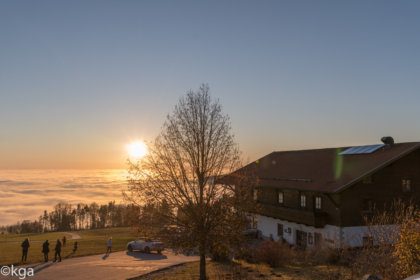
{"x":68,"y":217}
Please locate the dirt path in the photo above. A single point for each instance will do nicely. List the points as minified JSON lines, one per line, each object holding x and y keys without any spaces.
{"x":73,"y":235}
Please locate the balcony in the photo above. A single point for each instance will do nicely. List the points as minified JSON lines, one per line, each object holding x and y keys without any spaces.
{"x":301,"y":216}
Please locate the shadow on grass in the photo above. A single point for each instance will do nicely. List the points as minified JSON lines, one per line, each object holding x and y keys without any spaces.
{"x":44,"y":265}
{"x":146,"y":257}
{"x":37,"y":268}
{"x":70,"y":255}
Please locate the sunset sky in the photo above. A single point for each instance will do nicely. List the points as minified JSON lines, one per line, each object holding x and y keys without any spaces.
{"x":81,"y":79}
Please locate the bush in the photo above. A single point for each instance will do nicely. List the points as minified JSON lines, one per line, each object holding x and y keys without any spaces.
{"x":323,"y":255}
{"x":394,"y":254}
{"x":247,"y":252}
{"x":274,"y":253}
{"x":278,"y":254}
{"x":407,"y":247}
{"x":221,"y":253}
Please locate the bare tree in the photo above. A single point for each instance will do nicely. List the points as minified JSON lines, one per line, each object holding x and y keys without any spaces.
{"x":182,"y":171}
{"x":393,"y":243}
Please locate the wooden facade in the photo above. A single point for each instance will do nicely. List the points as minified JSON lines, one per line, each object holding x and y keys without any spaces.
{"x":391,"y":175}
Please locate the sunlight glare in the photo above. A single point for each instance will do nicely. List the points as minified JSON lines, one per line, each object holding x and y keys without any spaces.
{"x":136,"y":150}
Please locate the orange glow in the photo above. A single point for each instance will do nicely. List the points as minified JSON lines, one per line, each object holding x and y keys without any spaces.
{"x":136,"y":150}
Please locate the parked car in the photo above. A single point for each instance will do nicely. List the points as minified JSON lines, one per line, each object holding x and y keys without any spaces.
{"x":146,"y":246}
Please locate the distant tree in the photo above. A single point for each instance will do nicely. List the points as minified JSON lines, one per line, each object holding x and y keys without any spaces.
{"x":194,"y":150}
{"x":30,"y":227}
{"x":94,"y":215}
{"x":67,"y":217}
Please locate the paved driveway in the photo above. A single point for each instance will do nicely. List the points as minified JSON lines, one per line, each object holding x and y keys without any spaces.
{"x":118,"y":265}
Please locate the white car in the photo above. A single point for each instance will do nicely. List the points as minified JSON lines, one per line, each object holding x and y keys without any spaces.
{"x":146,"y":246}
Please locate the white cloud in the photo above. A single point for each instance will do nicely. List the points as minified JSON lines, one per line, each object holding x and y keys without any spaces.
{"x":25,"y":194}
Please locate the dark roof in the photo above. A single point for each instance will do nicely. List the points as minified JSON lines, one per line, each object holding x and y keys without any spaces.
{"x":323,"y":169}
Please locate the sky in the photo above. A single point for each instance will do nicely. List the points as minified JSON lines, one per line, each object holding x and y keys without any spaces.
{"x":81,"y":79}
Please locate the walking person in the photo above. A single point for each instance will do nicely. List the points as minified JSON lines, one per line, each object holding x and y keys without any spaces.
{"x":57,"y":251}
{"x":109,"y":246}
{"x":75,"y":247}
{"x":64,"y":241}
{"x":25,"y":247}
{"x":46,"y":250}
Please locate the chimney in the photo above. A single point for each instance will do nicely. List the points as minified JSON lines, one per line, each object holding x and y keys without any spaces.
{"x":388,"y":140}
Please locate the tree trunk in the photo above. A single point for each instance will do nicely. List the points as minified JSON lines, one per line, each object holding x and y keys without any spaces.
{"x":203,"y":275}
{"x":202,"y":251}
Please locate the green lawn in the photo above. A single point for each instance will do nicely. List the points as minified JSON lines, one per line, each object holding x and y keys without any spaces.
{"x":91,"y":242}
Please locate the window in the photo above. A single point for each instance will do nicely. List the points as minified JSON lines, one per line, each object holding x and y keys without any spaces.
{"x":255,"y":194}
{"x":280,"y":197}
{"x":310,"y":238}
{"x":279,"y":230}
{"x":368,"y":205}
{"x":301,"y":239}
{"x":406,"y":185}
{"x":252,"y":222}
{"x":318,"y":202}
{"x":302,"y":200}
{"x":368,"y":180}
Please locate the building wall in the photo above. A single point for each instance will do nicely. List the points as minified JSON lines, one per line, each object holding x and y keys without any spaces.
{"x":353,"y":236}
{"x":268,"y":226}
{"x":330,"y":202}
{"x":332,"y":236}
{"x":345,"y":224}
{"x":386,"y":186}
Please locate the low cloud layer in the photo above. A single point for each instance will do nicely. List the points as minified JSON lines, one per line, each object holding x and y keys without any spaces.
{"x":25,"y":194}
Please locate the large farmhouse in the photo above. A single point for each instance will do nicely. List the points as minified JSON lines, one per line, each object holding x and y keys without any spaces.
{"x":320,"y":196}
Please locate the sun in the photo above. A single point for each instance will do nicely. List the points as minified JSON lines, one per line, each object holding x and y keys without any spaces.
{"x":136,"y":150}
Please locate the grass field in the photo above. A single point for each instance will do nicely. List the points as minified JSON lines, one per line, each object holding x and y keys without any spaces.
{"x":217,"y":271}
{"x":91,"y":242}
